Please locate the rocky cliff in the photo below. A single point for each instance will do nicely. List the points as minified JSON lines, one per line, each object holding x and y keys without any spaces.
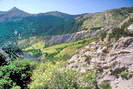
{"x":52,"y":40}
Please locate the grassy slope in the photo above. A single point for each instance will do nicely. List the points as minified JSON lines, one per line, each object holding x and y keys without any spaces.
{"x":62,"y":51}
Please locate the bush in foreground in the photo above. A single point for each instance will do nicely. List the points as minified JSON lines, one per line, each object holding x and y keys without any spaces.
{"x":56,"y":76}
{"x":16,"y":74}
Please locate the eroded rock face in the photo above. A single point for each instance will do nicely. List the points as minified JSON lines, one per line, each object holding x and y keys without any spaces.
{"x":52,"y":40}
{"x":113,"y":62}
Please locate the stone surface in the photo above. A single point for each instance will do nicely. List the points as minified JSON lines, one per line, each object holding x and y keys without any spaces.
{"x":110,"y":60}
{"x":130,"y":28}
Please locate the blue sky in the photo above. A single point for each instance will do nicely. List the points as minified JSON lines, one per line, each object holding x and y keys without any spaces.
{"x":67,"y":6}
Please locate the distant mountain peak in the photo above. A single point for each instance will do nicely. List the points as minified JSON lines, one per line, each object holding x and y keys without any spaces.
{"x":13,"y":14}
{"x":15,"y":9}
{"x":17,"y":12}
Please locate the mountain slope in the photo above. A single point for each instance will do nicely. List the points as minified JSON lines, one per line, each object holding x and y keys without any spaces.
{"x":18,"y":25}
{"x":40,"y":25}
{"x":105,"y":63}
{"x":111,"y":57}
{"x":106,"y":18}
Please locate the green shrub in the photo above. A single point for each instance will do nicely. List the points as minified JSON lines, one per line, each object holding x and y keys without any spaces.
{"x":117,"y":33}
{"x":16,"y":87}
{"x":124,"y":75}
{"x":36,"y":52}
{"x":2,"y":60}
{"x":56,"y":76}
{"x":66,"y":53}
{"x":16,"y":74}
{"x":117,"y":71}
{"x":95,"y":28}
{"x":105,"y":85}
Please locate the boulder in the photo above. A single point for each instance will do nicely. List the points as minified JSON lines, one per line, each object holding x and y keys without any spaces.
{"x":130,"y":29}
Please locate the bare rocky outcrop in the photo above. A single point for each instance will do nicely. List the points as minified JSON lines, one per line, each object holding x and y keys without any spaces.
{"x":130,"y":28}
{"x":113,"y":62}
{"x":111,"y":57}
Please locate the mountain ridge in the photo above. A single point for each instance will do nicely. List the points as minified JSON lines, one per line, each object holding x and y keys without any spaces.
{"x":56,"y":23}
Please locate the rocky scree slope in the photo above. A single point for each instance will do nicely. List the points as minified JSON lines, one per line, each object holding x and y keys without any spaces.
{"x":111,"y":57}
